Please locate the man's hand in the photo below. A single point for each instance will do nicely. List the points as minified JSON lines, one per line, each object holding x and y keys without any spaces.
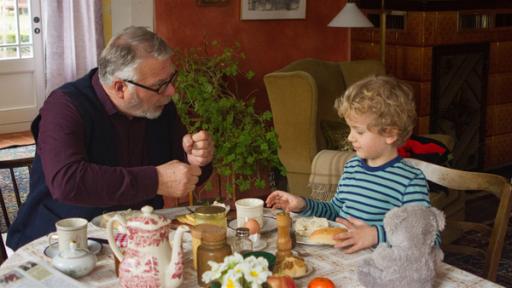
{"x":359,"y":236}
{"x":176,"y":179}
{"x":199,"y":148}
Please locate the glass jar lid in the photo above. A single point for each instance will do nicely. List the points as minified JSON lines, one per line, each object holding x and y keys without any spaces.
{"x":209,"y":210}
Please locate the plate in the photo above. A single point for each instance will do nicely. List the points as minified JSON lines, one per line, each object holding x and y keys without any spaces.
{"x":269,"y":224}
{"x":305,"y":239}
{"x":52,"y":250}
{"x":96,"y":221}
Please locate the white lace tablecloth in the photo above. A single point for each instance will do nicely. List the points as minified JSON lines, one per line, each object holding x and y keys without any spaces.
{"x":326,"y":261}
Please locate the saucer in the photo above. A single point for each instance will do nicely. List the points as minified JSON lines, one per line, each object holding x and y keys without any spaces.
{"x":259,"y":245}
{"x":269,"y":224}
{"x":52,"y":250}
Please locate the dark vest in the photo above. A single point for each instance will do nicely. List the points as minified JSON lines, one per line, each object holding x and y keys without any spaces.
{"x":37,"y":216}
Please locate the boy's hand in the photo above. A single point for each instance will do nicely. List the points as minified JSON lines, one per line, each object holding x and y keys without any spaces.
{"x":285,"y":201}
{"x":359,"y":236}
{"x":199,"y":148}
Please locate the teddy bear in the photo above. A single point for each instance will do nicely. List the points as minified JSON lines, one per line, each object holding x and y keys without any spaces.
{"x":409,"y":258}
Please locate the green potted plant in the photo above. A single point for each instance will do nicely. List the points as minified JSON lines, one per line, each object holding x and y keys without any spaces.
{"x":206,"y":98}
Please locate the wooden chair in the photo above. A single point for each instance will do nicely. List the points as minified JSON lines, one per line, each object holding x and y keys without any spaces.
{"x":10,"y":165}
{"x":496,"y":185}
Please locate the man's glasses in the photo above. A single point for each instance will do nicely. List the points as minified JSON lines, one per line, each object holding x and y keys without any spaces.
{"x":160,"y":89}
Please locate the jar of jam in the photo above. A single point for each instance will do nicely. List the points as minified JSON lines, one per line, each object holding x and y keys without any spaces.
{"x":197,"y":232}
{"x":213,"y":248}
{"x":215,"y":215}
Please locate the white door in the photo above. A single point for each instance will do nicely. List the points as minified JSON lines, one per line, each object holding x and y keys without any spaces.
{"x":21,"y":64}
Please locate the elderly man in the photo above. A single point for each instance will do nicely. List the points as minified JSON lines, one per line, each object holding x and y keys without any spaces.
{"x":112,"y":140}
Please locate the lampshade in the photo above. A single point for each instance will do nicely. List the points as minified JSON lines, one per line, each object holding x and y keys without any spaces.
{"x":350,"y":16}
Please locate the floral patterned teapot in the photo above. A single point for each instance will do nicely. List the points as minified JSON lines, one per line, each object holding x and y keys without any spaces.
{"x":148,"y":260}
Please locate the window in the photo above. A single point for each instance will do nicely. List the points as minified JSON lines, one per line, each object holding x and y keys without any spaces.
{"x":15,"y":30}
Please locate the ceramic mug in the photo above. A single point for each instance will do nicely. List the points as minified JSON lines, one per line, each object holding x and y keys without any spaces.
{"x":248,"y":208}
{"x":70,"y":229}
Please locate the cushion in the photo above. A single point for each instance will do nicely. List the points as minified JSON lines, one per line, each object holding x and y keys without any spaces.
{"x":335,"y":134}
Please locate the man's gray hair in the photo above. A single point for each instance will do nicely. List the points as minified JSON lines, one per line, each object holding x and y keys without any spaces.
{"x":125,"y":50}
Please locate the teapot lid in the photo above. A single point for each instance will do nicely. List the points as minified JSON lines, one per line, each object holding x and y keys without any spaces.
{"x":147,"y":220}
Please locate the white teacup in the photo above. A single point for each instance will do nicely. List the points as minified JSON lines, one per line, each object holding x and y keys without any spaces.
{"x":70,"y":229}
{"x":248,"y":208}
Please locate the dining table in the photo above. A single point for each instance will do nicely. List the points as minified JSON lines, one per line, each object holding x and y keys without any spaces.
{"x":323,"y":261}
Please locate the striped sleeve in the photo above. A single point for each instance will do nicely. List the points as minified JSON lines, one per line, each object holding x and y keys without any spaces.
{"x":416,"y":191}
{"x":320,"y":209}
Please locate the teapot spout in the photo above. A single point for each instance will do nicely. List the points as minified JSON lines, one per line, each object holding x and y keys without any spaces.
{"x":174,"y":275}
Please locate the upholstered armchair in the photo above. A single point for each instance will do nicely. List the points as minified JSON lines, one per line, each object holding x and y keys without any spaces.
{"x":302,"y":98}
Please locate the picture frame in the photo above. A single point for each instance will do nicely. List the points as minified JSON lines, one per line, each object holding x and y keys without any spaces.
{"x":272,"y":9}
{"x":212,"y":2}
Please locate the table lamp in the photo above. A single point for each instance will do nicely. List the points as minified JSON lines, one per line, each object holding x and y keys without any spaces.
{"x":350,"y":17}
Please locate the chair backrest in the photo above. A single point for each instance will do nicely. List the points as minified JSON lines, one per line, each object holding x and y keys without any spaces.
{"x":496,"y":185}
{"x":301,"y":97}
{"x":8,"y":204}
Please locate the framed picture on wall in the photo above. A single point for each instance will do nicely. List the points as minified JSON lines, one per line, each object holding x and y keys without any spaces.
{"x":272,"y":9}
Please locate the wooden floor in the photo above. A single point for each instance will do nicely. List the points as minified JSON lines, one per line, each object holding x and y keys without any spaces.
{"x":15,"y":139}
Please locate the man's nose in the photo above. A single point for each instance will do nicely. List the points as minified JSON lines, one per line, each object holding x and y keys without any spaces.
{"x":170,"y":90}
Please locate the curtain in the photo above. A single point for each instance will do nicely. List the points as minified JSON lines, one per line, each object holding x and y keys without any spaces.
{"x":73,"y":39}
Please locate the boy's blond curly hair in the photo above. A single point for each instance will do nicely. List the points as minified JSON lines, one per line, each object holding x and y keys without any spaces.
{"x":389,"y":99}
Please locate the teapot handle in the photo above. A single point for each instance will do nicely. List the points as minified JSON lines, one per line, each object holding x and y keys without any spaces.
{"x":110,"y":235}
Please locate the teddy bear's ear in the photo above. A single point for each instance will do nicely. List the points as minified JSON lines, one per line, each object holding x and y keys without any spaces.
{"x":394,"y":217}
{"x":440,"y":219}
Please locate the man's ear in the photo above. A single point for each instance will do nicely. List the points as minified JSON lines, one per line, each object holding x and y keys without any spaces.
{"x":118,"y":88}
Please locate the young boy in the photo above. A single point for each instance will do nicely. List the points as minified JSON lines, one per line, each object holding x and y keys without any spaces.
{"x":380,"y":112}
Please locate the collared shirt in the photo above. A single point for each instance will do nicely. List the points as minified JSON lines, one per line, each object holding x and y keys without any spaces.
{"x":68,"y":174}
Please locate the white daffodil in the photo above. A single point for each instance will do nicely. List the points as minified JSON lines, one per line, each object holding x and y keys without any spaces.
{"x":237,"y":272}
{"x":232,"y":280}
{"x":257,"y":274}
{"x":231,"y":261}
{"x":214,"y":273}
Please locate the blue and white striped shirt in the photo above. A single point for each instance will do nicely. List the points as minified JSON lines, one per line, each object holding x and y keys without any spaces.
{"x":368,"y":193}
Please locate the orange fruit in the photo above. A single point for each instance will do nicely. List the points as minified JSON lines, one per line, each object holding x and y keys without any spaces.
{"x":321,"y":282}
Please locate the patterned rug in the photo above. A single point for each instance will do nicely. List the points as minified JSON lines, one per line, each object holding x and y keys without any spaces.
{"x":22,"y":178}
{"x":483,"y":210}
{"x":475,"y":264}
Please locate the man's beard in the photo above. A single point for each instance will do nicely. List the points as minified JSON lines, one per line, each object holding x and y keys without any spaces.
{"x":136,"y":106}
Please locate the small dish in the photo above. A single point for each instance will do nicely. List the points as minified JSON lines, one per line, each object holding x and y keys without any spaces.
{"x":53,"y":250}
{"x":269,"y":224}
{"x":309,"y":269}
{"x":96,"y":222}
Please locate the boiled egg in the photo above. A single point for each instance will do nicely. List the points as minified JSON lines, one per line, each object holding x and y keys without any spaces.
{"x":253,"y":226}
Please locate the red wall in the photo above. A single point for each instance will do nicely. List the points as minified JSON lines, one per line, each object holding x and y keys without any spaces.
{"x":268,"y":44}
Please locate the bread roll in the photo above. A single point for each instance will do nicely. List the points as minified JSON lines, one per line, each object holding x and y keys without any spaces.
{"x":292,"y":266}
{"x":324,"y":235}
